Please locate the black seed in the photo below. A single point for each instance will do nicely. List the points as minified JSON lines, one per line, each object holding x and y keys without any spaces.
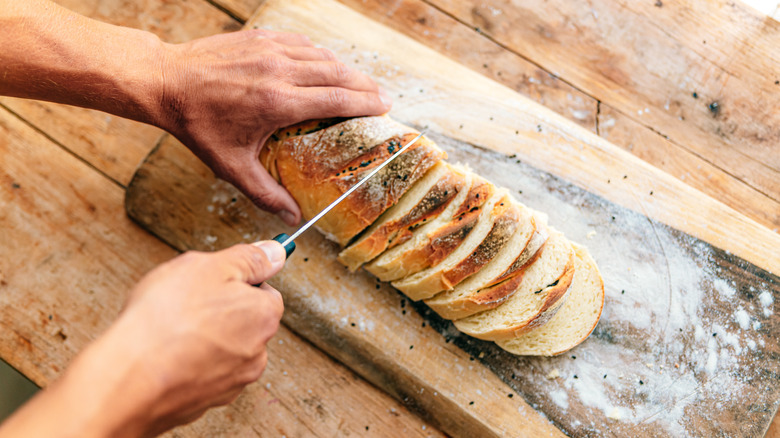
{"x":605,"y":376}
{"x":714,"y":108}
{"x":510,"y":395}
{"x":471,"y":403}
{"x":353,"y":324}
{"x":411,"y":346}
{"x":423,"y":324}
{"x":574,"y":357}
{"x":695,"y":95}
{"x":378,"y":287}
{"x":641,"y":382}
{"x":305,"y":259}
{"x":575,"y":376}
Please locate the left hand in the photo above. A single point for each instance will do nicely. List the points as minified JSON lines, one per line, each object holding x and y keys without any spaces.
{"x":223,"y":96}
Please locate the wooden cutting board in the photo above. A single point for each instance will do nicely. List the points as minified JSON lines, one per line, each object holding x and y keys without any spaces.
{"x":688,"y":342}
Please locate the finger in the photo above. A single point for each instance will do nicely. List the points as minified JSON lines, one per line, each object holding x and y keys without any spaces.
{"x":304,"y":53}
{"x":288,"y":38}
{"x":322,"y":102}
{"x":332,"y":74}
{"x":276,"y":295}
{"x":263,"y":190}
{"x":252,"y":264}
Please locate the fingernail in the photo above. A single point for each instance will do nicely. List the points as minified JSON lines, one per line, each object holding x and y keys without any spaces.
{"x":275,"y":253}
{"x":384,"y":97}
{"x":287,"y":217}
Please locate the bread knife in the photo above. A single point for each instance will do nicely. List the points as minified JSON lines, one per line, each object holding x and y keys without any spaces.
{"x":288,"y":242}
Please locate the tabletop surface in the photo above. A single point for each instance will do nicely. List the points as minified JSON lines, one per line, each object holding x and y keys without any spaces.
{"x":689,"y":87}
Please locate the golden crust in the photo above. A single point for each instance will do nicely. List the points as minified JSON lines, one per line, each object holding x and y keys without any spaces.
{"x":550,"y":306}
{"x":507,"y":216}
{"x":398,"y":231}
{"x":317,"y":168}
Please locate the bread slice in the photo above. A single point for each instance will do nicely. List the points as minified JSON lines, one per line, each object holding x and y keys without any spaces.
{"x":479,"y":247}
{"x":317,"y":168}
{"x":576,"y":318}
{"x":423,"y":202}
{"x":433,"y":242}
{"x":536,"y":299}
{"x":477,"y":292}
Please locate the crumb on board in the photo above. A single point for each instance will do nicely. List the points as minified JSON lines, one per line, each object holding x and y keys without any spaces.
{"x":554,"y":374}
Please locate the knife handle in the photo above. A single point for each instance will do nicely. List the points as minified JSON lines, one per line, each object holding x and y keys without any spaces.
{"x":289,"y":248}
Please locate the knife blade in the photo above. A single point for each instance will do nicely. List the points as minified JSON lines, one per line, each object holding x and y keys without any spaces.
{"x":288,"y":242}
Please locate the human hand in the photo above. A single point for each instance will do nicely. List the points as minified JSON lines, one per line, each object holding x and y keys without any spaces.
{"x":223,"y":96}
{"x":202,"y":329}
{"x":193,"y":333}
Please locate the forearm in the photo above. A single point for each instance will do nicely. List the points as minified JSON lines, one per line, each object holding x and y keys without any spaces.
{"x":102,"y":394}
{"x":50,"y":53}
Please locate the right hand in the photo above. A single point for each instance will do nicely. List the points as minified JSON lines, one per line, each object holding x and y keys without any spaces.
{"x":200,"y":329}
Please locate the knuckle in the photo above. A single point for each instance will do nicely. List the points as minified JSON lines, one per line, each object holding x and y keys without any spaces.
{"x":342,"y":73}
{"x":326,"y":54}
{"x":337,"y":98}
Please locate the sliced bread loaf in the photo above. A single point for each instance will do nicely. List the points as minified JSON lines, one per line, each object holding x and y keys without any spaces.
{"x":477,"y":292}
{"x":536,"y":299}
{"x":576,"y":318}
{"x":433,"y":242}
{"x":476,"y":249}
{"x":422,"y":203}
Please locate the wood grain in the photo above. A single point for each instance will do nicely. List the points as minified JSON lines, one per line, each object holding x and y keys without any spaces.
{"x":700,"y":74}
{"x":69,"y":255}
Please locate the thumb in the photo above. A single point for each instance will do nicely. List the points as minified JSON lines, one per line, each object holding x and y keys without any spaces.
{"x":253,"y":264}
{"x":266,"y":193}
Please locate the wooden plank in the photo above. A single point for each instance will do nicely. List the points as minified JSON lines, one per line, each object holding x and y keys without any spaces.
{"x":69,"y":253}
{"x":702,"y":74}
{"x":667,"y":292}
{"x":112,"y":144}
{"x":687,"y":167}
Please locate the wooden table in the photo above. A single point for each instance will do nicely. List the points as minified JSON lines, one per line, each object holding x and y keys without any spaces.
{"x":690,"y":87}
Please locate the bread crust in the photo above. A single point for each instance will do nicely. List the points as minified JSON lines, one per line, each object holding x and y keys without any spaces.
{"x":440,"y":243}
{"x":585,"y":267}
{"x":430,"y":282}
{"x":552,"y":293}
{"x":317,"y":168}
{"x":401,"y":229}
{"x":495,"y":292}
{"x":507,"y":216}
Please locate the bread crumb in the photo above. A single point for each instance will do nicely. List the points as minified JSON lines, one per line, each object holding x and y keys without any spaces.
{"x":591,"y":234}
{"x":481,"y":355}
{"x":554,"y":374}
{"x":614,"y":414}
{"x":649,"y":365}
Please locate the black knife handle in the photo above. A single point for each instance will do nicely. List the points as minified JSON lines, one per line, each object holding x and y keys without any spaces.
{"x":289,"y":248}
